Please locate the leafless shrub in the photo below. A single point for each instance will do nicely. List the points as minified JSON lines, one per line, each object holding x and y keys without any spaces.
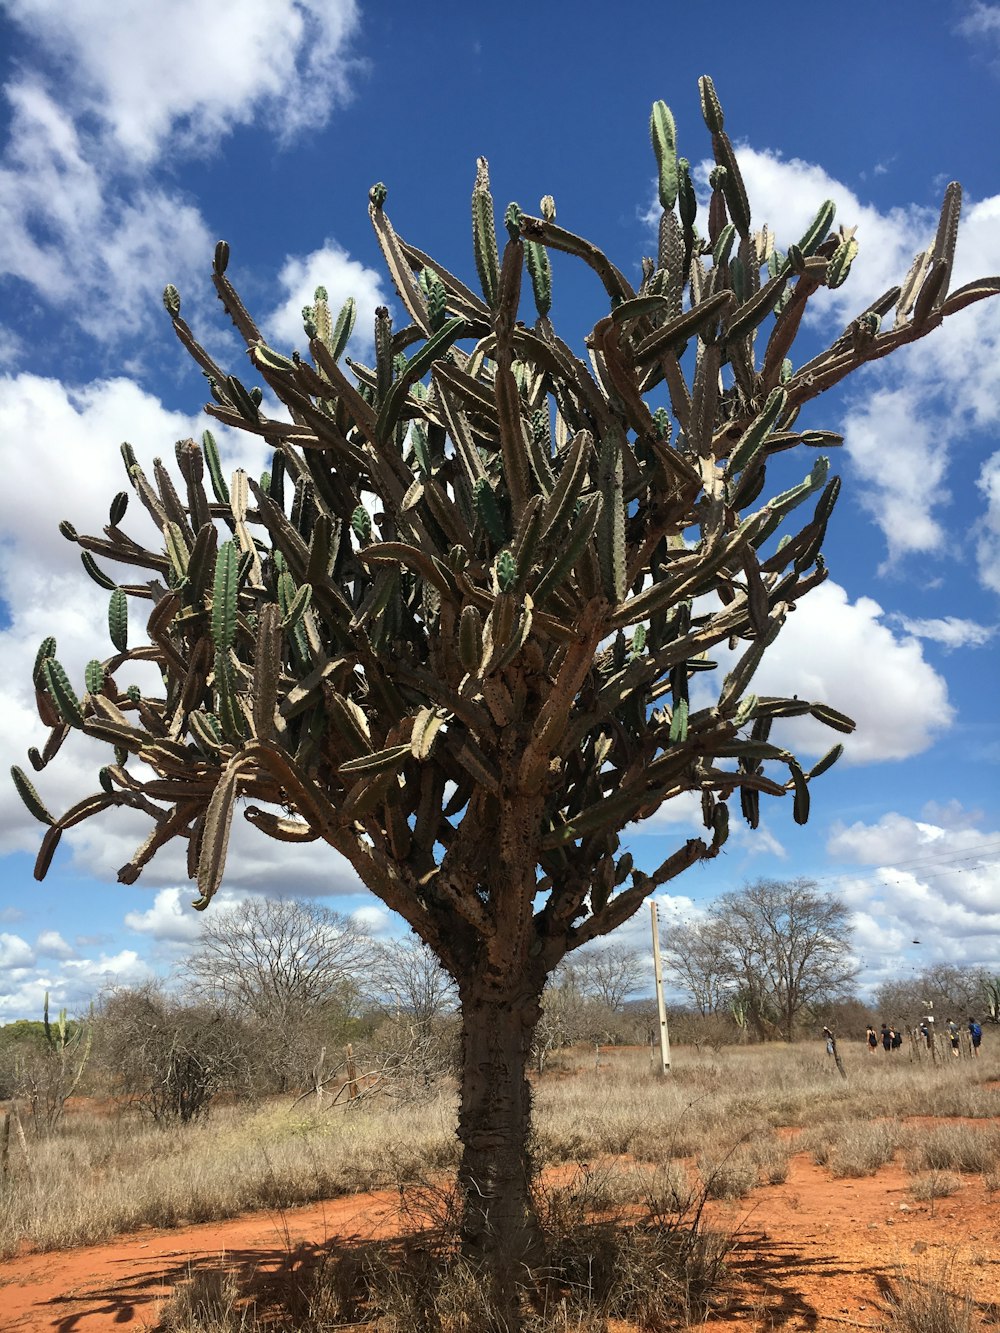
{"x":209,"y":1301}
{"x":935,"y":1185}
{"x":731,"y":1176}
{"x":929,"y":1306}
{"x":955,"y":1148}
{"x":169,"y":1058}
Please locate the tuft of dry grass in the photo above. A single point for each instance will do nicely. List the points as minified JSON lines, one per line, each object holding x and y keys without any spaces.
{"x":929,"y":1306}
{"x":853,"y":1150}
{"x":731,"y":1176}
{"x":964,"y":1148}
{"x":935,"y":1185}
{"x":209,"y":1301}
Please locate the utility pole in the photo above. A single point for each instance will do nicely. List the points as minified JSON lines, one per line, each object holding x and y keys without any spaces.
{"x":660,"y":1008}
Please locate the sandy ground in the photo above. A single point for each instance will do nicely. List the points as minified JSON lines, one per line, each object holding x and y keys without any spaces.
{"x":812,"y":1253}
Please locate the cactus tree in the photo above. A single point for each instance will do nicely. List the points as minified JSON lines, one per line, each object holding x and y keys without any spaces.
{"x":452,"y":631}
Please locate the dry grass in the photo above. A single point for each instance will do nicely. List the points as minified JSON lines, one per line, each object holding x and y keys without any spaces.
{"x":964,"y":1148}
{"x":935,"y":1185}
{"x":929,"y":1305}
{"x":856,"y":1148}
{"x":657,"y":1270}
{"x":209,"y":1301}
{"x":106,"y":1175}
{"x":102,"y":1175}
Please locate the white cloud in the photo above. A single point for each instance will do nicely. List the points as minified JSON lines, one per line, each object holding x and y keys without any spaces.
{"x":80,"y":238}
{"x":982,"y":20}
{"x":932,"y":880}
{"x":950,"y":631}
{"x":50,"y":944}
{"x":375,"y":920}
{"x":840,"y":652}
{"x":15,"y":953}
{"x":330,"y":267}
{"x":170,"y":918}
{"x":900,"y":493}
{"x":117,"y":88}
{"x":184,"y":75}
{"x":988,"y":540}
{"x":896,"y":838}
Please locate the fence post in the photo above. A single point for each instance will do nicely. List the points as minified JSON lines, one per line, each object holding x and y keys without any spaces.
{"x":660,"y":1007}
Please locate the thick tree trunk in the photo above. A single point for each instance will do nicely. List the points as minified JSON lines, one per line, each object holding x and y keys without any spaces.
{"x":499,"y":1224}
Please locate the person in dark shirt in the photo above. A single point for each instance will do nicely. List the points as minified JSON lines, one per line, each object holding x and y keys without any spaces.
{"x":886,"y":1038}
{"x":975,"y":1036}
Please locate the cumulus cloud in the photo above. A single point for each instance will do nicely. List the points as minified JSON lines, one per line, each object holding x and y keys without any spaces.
{"x":931,"y":879}
{"x":183,"y":76}
{"x":169,"y":919}
{"x":111,"y":91}
{"x":50,"y":944}
{"x":841,"y":652}
{"x":15,"y":953}
{"x":950,"y":631}
{"x":78,"y":237}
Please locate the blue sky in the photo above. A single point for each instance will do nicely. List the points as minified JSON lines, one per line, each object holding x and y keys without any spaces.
{"x":132,"y":136}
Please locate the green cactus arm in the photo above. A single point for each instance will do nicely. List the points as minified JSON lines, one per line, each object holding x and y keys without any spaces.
{"x":484,"y":236}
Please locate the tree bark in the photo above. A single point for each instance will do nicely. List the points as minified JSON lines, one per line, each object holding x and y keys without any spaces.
{"x":500,"y":1229}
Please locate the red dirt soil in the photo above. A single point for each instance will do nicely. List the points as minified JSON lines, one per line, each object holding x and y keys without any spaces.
{"x":812,"y":1253}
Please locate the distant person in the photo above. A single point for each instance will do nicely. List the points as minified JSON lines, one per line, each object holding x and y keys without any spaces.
{"x":953,"y":1037}
{"x":975,"y":1036}
{"x":925,"y":1032}
{"x":872,"y":1039}
{"x":897,"y":1038}
{"x":829,"y":1041}
{"x":886,"y":1038}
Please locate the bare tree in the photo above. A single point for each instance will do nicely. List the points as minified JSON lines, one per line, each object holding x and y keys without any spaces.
{"x":610,"y":974}
{"x":695,"y":957}
{"x":279,"y":958}
{"x":296,"y":968}
{"x":171,"y":1058}
{"x":473,"y":693}
{"x":942,"y":987}
{"x":777,"y":948}
{"x":405,"y":976}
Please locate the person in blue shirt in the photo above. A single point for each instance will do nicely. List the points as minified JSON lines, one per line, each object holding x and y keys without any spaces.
{"x":975,"y":1036}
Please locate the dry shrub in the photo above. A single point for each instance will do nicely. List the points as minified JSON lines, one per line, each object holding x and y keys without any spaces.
{"x":935,"y":1185}
{"x":730,"y":1177}
{"x":955,"y":1148}
{"x":855,"y":1149}
{"x":209,"y":1301}
{"x":929,"y":1306}
{"x":645,"y":1259}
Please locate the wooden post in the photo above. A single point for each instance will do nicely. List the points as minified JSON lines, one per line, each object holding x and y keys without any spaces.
{"x":660,"y":1007}
{"x":352,"y":1074}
